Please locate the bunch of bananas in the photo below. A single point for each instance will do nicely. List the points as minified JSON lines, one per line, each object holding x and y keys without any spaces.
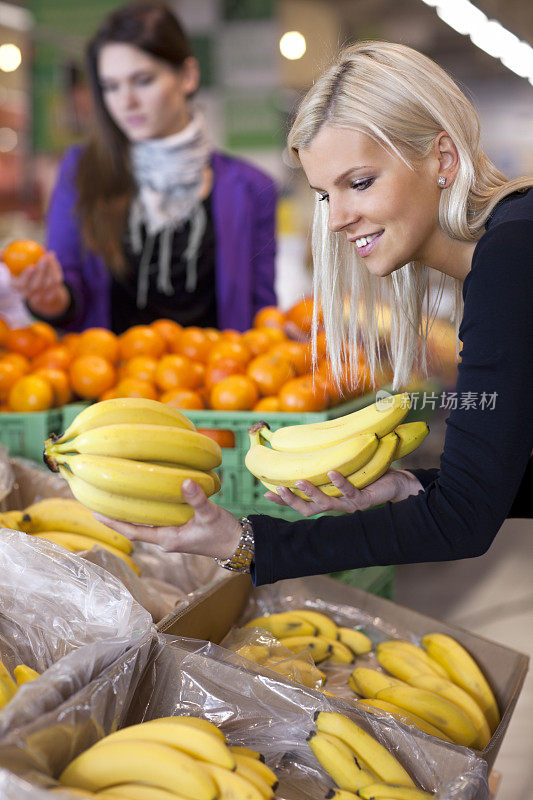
{"x":68,"y":523}
{"x":127,"y":458}
{"x":361,"y":446}
{"x":8,"y":686}
{"x":172,"y":758}
{"x":305,"y":630}
{"x":438,"y":688}
{"x":359,"y":765}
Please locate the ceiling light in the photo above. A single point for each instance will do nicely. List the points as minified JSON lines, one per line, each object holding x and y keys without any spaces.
{"x":10,"y":57}
{"x":292,"y":45}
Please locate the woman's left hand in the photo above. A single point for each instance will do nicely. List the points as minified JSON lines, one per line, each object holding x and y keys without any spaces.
{"x":212,"y":531}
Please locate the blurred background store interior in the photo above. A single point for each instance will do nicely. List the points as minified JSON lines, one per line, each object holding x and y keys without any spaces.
{"x":249,"y":93}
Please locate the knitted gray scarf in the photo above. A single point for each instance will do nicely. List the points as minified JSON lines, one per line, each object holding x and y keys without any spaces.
{"x":169,"y":175}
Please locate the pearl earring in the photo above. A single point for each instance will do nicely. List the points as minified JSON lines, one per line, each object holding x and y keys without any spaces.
{"x":442,"y":181}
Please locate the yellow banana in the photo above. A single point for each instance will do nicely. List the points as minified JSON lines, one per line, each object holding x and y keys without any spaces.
{"x":197,"y":722}
{"x":419,"y":652}
{"x":10,"y":684}
{"x":143,"y":442}
{"x":23,"y":674}
{"x":137,"y":791}
{"x":403,"y":665}
{"x":141,"y":479}
{"x":123,"y":410}
{"x":255,"y":763}
{"x":13,"y":520}
{"x":340,"y":653}
{"x":463,"y":670}
{"x":410,"y":434}
{"x":237,"y":750}
{"x":77,"y":541}
{"x":318,"y":646}
{"x":341,"y":794}
{"x":453,"y":693}
{"x":440,"y":712}
{"x":254,"y":652}
{"x":324,"y":625}
{"x":339,"y":762}
{"x":6,"y":690}
{"x":283,"y":625}
{"x":374,"y":468}
{"x":358,"y":642}
{"x":199,"y":744}
{"x":297,"y":670}
{"x":231,"y":785}
{"x":103,"y":766}
{"x":283,"y":469}
{"x":376,"y":757}
{"x":368,"y":682}
{"x":65,"y":514}
{"x":245,"y":770}
{"x":379,"y":418}
{"x":386,"y":791}
{"x":128,"y":509}
{"x":404,"y":716}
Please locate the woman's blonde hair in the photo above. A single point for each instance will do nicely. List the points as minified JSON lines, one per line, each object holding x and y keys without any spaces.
{"x":402,"y":100}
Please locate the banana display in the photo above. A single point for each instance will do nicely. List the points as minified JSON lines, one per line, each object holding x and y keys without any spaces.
{"x":361,"y":446}
{"x":172,"y":758}
{"x":8,"y":686}
{"x":67,"y":522}
{"x":359,"y":765}
{"x":438,"y":688}
{"x":127,"y":458}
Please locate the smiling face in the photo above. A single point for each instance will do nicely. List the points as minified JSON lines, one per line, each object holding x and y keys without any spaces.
{"x":146,"y":97}
{"x":387,"y":210}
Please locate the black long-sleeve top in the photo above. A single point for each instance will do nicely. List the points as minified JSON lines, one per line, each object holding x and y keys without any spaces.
{"x":485,"y":470}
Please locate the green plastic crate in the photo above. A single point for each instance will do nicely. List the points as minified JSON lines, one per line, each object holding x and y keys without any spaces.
{"x":24,"y":434}
{"x":376,"y":580}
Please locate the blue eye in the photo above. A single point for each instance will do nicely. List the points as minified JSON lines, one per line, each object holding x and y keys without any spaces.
{"x":363,"y":184}
{"x":323,"y":197}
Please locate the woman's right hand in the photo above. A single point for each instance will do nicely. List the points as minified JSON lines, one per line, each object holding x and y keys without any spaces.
{"x":43,"y":288}
{"x":394,"y":485}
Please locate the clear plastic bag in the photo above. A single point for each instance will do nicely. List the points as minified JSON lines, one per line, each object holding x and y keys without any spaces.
{"x":62,"y":616}
{"x":7,"y":478}
{"x":253,"y":707}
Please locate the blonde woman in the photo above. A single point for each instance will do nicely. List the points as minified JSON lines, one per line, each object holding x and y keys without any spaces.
{"x":392,"y":149}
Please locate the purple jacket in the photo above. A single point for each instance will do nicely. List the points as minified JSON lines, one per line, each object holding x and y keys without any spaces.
{"x":244,"y":202}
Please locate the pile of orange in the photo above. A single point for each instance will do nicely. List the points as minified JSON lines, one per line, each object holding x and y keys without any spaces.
{"x":189,"y":368}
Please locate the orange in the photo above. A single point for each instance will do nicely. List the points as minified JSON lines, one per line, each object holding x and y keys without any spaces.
{"x":234,"y":393}
{"x":59,"y":382}
{"x":22,"y":253}
{"x":223,"y":437}
{"x":25,"y":341}
{"x":295,"y":352}
{"x":4,"y":328}
{"x":142,"y":367}
{"x":141,"y":340}
{"x":198,"y":370}
{"x":98,"y":342}
{"x":213,"y":334}
{"x":58,"y":357}
{"x":270,"y":372}
{"x":176,"y":372}
{"x":303,"y":394}
{"x":236,"y":351}
{"x":276,"y":335}
{"x":257,"y":340}
{"x":271,"y":316}
{"x":134,"y":387}
{"x":168,"y":329}
{"x":9,"y":374}
{"x":231,"y":333}
{"x":90,"y":376}
{"x":45,"y":331}
{"x":217,"y":370}
{"x":109,"y":394}
{"x":70,"y":341}
{"x":182,"y":398}
{"x":30,"y":393}
{"x":267,"y":404}
{"x":18,"y":360}
{"x":194,"y":343}
{"x":301,"y":314}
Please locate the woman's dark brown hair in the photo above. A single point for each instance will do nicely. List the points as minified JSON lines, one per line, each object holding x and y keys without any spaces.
{"x":104,"y":181}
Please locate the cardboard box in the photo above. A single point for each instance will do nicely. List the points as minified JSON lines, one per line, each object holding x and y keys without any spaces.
{"x":212,"y":614}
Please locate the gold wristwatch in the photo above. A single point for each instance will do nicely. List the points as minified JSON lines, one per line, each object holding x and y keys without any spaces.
{"x":243,"y":556}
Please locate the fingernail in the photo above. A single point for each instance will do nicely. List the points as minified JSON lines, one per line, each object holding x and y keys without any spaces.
{"x":300,"y":485}
{"x":188,"y":486}
{"x":331,"y":476}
